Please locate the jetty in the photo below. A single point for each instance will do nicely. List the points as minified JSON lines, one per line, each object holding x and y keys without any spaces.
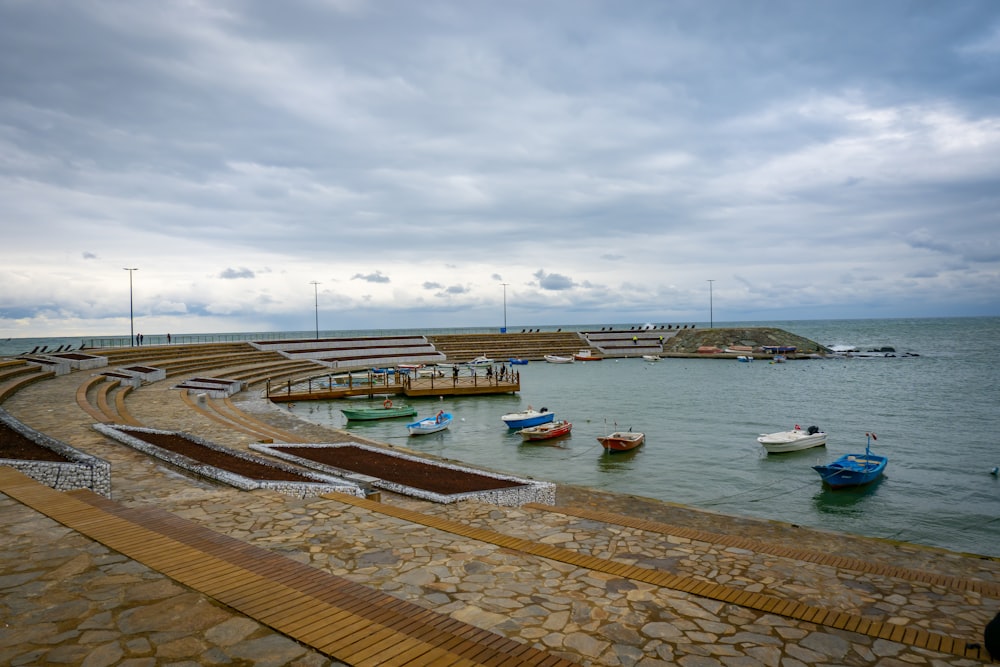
{"x":467,"y":382}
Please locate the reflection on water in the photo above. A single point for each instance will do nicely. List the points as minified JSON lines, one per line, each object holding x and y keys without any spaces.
{"x":619,"y":461}
{"x":850,"y":501}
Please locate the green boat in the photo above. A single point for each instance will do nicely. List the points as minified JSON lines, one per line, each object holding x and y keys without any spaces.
{"x":387,"y":411}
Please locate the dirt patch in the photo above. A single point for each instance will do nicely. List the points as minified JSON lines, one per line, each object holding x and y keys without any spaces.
{"x":415,"y":474}
{"x":15,"y":446}
{"x":217,"y":458}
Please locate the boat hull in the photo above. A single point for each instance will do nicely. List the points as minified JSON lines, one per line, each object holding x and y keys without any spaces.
{"x":429,"y":425}
{"x":555,"y":359}
{"x":549,"y":431}
{"x":528,"y":418}
{"x":791,"y":441}
{"x":852,"y":470}
{"x":371,"y":414}
{"x":621,"y":441}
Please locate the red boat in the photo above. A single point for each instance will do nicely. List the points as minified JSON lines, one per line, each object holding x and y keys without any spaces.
{"x":554,"y":429}
{"x":621,"y":441}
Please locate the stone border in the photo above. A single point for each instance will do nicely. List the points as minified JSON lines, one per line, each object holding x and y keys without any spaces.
{"x":82,"y":471}
{"x":530,"y":491}
{"x":80,"y":360}
{"x":213,"y":387}
{"x":323,"y":484}
{"x":144,"y":373}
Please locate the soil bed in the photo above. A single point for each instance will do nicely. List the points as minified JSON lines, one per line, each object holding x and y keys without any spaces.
{"x":398,"y":470}
{"x":218,"y":459}
{"x":15,"y":446}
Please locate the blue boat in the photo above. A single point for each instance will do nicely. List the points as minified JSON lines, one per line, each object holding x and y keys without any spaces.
{"x":529,"y":417}
{"x":438,"y":422}
{"x":853,"y":469}
{"x":514,"y":361}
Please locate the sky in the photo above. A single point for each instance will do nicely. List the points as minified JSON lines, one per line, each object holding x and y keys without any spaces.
{"x":359,"y":164}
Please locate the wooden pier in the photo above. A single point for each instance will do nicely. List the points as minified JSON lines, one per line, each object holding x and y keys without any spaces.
{"x":330,"y":387}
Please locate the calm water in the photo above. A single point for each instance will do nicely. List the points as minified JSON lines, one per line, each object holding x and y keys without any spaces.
{"x":937,"y":417}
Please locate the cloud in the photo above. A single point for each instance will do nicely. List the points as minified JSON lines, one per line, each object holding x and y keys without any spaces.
{"x":376,"y":277}
{"x":553,"y":281}
{"x":639,"y":150}
{"x":234,"y":274}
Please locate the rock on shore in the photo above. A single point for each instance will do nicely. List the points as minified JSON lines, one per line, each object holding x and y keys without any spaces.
{"x":688,"y":341}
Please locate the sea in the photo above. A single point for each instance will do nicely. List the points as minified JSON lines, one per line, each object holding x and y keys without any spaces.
{"x":932,"y":407}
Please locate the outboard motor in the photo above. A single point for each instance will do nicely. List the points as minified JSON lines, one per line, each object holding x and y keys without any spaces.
{"x":813,"y":430}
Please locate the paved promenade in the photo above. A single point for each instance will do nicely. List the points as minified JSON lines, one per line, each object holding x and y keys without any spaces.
{"x":598,"y":579}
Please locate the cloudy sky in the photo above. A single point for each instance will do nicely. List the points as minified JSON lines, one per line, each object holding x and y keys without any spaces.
{"x":589,"y":161}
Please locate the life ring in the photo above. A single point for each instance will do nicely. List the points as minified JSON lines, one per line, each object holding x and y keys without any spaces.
{"x":387,"y":403}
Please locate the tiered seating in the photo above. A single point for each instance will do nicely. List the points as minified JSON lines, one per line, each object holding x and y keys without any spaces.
{"x":17,"y":373}
{"x":535,"y":345}
{"x":354,"y":353}
{"x":629,"y":342}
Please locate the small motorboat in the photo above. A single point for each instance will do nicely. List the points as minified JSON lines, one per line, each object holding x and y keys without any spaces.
{"x":438,"y":422}
{"x":745,"y":358}
{"x":621,"y":441}
{"x":387,"y":411}
{"x":853,"y":469}
{"x":651,"y":357}
{"x":529,"y":417}
{"x":514,"y":361}
{"x":548,"y":431}
{"x":556,"y":359}
{"x":586,"y":355}
{"x":481,"y":360}
{"x":792,"y":441}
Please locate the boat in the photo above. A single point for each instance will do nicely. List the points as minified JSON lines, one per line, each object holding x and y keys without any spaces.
{"x":853,"y":469}
{"x":745,"y":358}
{"x":387,"y":411}
{"x":480,"y":361}
{"x":556,"y":359}
{"x":438,"y":422}
{"x":651,"y":357}
{"x":548,"y":431}
{"x":621,"y":441}
{"x":514,"y":361}
{"x":586,"y":355}
{"x":792,"y":441}
{"x":529,"y":417}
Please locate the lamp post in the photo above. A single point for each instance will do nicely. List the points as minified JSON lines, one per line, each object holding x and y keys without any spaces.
{"x":131,"y":316}
{"x":316,"y":296}
{"x":711,"y":321}
{"x":504,"y":306}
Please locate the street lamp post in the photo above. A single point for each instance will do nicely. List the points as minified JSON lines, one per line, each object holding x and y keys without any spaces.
{"x":131,"y":315}
{"x":711,"y":321}
{"x":504,"y":306}
{"x":316,"y":296}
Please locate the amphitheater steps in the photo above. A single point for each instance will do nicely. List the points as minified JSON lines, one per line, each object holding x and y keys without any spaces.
{"x":533,"y":346}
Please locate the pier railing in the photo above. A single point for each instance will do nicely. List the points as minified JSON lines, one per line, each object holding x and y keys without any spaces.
{"x":383,"y":383}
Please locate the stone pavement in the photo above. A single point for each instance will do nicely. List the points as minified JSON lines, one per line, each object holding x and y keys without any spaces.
{"x":67,"y":600}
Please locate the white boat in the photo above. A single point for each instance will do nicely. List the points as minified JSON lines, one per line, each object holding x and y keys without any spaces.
{"x":556,"y":359}
{"x":438,"y":422}
{"x":651,"y":357}
{"x":792,"y":441}
{"x":480,"y":361}
{"x":744,"y":358}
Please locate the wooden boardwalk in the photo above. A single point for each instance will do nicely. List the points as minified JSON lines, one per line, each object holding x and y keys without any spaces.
{"x":345,"y":620}
{"x":315,"y":389}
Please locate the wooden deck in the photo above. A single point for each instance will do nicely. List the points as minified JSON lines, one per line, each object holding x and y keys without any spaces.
{"x":347,"y":621}
{"x":313,"y":389}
